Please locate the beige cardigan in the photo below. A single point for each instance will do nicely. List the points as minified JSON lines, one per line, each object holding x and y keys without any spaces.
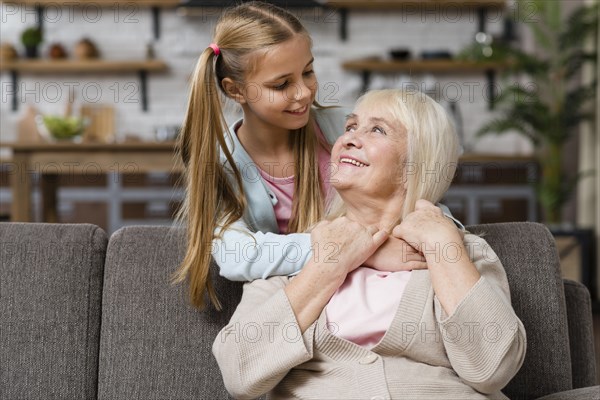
{"x":425,"y":354}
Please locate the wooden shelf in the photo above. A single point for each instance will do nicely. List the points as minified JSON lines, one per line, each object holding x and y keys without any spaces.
{"x":399,"y":4}
{"x":98,"y":3}
{"x":39,"y":67}
{"x":83,"y":66}
{"x":354,"y":4}
{"x":375,"y":65}
{"x":450,"y":66}
{"x":481,"y":6}
{"x":61,"y":146}
{"x":129,"y":5}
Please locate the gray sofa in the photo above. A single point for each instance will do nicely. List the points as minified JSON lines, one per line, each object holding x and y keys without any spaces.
{"x":85,"y":317}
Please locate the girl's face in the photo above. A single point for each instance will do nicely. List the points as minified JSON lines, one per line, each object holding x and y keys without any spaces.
{"x":369,"y":158}
{"x":283,"y":85}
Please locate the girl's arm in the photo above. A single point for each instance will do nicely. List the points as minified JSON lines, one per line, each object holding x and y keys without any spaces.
{"x":243,"y":255}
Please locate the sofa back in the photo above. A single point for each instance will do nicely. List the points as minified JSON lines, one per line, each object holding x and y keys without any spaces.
{"x":153,"y":344}
{"x":50,"y":289}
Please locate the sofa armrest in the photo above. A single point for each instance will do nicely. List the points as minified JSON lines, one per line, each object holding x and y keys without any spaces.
{"x":581,"y":334}
{"x":587,"y":393}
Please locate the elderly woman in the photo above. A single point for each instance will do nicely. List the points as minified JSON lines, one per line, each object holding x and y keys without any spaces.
{"x":338,"y":330}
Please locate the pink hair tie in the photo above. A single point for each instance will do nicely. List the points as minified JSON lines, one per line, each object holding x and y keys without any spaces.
{"x":215,"y":48}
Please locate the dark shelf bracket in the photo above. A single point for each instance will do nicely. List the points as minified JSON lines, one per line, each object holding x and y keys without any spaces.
{"x":156,"y":22}
{"x":144,"y":89}
{"x":491,"y":80}
{"x":14,"y":78}
{"x":481,"y":19}
{"x":39,"y":10}
{"x":366,"y":79}
{"x":343,"y":23}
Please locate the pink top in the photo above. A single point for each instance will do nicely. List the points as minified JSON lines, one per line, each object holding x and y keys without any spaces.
{"x":363,"y":308}
{"x":283,"y":188}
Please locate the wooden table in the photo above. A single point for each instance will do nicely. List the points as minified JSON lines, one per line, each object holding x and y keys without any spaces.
{"x":51,"y":160}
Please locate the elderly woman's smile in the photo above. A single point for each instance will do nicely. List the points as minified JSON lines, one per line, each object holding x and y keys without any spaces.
{"x":345,"y":159}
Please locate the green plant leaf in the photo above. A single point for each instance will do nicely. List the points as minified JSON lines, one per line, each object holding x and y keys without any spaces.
{"x":577,"y":98}
{"x":533,"y":13}
{"x":516,"y":93}
{"x":499,"y":126}
{"x":32,"y":36}
{"x":573,"y":121}
{"x":582,"y":23}
{"x":575,"y":60}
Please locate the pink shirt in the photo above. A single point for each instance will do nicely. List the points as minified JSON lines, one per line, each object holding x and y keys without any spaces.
{"x":363,"y":308}
{"x":283,"y":188}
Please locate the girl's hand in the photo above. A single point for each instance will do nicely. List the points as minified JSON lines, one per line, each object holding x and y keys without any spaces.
{"x":427,"y":228}
{"x":343,"y":245}
{"x":396,"y":255}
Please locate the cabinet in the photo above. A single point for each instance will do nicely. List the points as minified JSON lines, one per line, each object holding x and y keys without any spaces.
{"x":493,"y":188}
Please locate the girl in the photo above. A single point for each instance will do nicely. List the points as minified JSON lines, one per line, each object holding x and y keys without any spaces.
{"x":266,"y":174}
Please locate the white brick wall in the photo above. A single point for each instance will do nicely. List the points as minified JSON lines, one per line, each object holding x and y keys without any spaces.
{"x":123,"y":33}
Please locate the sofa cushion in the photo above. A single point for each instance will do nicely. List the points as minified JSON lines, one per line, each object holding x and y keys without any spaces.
{"x":154,"y":344}
{"x":50,"y":291}
{"x":529,"y":256}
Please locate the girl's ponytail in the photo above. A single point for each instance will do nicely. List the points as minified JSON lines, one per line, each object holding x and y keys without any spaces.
{"x":210,"y":197}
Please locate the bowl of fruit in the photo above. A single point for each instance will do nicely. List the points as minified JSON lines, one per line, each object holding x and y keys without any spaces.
{"x":58,"y":127}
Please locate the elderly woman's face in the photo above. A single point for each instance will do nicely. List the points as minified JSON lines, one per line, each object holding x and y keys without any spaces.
{"x":369,"y":158}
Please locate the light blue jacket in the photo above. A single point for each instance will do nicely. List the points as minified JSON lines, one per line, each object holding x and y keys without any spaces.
{"x":250,"y":249}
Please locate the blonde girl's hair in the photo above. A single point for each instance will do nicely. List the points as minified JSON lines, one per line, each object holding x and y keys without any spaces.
{"x":433,"y":146}
{"x":214,"y":195}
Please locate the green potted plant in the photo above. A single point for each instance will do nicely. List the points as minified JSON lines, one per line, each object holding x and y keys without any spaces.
{"x":31,"y":39}
{"x":552,"y":104}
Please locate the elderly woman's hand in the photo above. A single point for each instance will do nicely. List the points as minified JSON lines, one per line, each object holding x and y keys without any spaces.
{"x":452,"y":272}
{"x":344,"y":244}
{"x":339,"y":246}
{"x":427,"y":228}
{"x":396,"y":255}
